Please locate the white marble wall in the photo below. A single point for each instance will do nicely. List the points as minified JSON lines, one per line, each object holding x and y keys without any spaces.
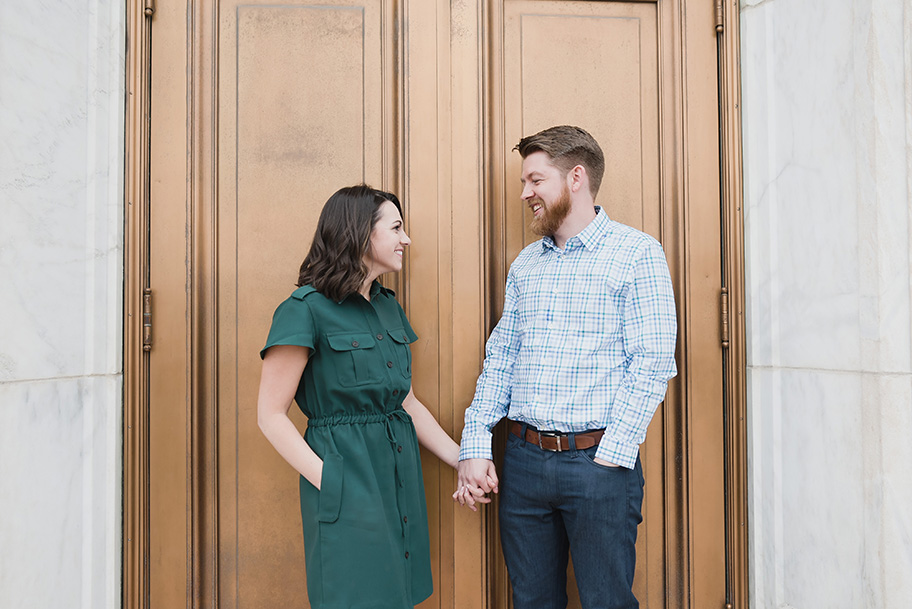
{"x":827,"y":124}
{"x":61,"y":272}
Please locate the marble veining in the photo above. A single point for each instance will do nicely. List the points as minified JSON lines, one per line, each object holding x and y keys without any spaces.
{"x":60,"y":457}
{"x":61,"y":168}
{"x":61,"y":263}
{"x":827,"y":132}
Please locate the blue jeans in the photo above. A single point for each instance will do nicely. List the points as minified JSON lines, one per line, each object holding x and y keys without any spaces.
{"x":552,"y":502}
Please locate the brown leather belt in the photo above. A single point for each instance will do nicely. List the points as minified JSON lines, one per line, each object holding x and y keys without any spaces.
{"x":557,"y":442}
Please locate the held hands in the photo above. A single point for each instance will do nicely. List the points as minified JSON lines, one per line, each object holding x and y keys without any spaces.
{"x":476,"y":478}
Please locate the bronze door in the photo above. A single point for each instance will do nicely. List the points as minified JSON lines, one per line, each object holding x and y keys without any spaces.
{"x":261,"y":109}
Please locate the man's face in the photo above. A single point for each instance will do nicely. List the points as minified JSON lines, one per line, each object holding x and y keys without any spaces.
{"x":546,"y":193}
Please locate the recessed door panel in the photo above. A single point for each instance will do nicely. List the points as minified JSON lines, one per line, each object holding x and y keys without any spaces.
{"x":592,"y":64}
{"x":299,"y":108}
{"x":275,"y":106}
{"x":595,"y":65}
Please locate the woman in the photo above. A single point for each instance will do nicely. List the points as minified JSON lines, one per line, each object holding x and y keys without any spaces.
{"x":339,"y":346}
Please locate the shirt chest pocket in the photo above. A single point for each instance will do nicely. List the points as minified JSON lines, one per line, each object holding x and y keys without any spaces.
{"x":355,"y":357}
{"x":402,"y":351}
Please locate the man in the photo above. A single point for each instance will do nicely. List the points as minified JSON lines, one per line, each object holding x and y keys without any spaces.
{"x":578,"y":362}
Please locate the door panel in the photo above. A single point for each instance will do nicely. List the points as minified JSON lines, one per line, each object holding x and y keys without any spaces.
{"x":614,"y":67}
{"x":260,"y":110}
{"x":592,"y":64}
{"x":595,"y":64}
{"x":300,"y":107}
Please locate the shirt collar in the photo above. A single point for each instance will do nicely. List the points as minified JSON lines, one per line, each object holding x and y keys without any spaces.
{"x":376,"y":288}
{"x":590,"y":237}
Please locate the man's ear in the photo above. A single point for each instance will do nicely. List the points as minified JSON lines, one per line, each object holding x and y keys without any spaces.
{"x":578,"y":178}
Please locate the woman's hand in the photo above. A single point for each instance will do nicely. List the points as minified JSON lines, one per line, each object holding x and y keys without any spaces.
{"x":477,"y":478}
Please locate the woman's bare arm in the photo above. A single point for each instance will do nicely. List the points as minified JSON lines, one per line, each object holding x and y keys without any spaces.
{"x":430,"y":434}
{"x":282,"y":369}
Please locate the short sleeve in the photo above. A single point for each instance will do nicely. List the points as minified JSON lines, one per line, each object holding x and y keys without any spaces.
{"x":292,"y":324}
{"x":409,"y":333}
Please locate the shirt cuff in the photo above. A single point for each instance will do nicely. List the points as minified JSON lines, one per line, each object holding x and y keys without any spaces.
{"x":476,"y":446}
{"x":619,"y":453}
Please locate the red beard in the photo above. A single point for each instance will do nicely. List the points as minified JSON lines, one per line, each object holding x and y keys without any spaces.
{"x":552,"y":215}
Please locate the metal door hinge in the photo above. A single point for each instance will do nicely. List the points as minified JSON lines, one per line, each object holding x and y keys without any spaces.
{"x":148,"y":8}
{"x":147,"y":319}
{"x":719,"y":22}
{"x":723,"y":306}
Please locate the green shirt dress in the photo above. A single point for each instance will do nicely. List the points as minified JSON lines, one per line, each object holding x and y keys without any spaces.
{"x":365,"y":532}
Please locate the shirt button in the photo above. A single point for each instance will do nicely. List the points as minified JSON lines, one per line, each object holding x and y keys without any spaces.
{"x":354,"y":343}
{"x":389,"y":364}
{"x":399,"y":449}
{"x":395,"y":392}
{"x":406,"y":554}
{"x":390,"y":417}
{"x":379,"y":337}
{"x":405,"y":519}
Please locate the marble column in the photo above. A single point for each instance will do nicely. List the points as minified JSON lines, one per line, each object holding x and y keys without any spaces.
{"x":827,"y":126}
{"x":61,"y":268}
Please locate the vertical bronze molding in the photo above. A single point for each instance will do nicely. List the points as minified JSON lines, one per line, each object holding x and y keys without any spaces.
{"x":203,"y":247}
{"x":737,"y":568}
{"x":495,"y":256}
{"x":394,"y":125}
{"x":673,"y":108}
{"x":136,"y":280}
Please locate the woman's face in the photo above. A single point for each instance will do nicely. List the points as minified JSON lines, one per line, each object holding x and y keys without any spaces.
{"x":387,"y":242}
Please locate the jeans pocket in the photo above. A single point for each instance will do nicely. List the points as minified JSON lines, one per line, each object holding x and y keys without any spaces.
{"x":514,"y":441}
{"x":589,"y":458}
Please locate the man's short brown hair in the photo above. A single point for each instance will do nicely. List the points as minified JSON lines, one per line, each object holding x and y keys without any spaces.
{"x":568,"y":147}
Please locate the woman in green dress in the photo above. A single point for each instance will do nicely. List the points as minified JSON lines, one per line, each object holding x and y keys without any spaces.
{"x":339,"y":347}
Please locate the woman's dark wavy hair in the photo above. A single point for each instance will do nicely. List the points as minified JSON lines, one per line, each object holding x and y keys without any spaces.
{"x":334,"y":265}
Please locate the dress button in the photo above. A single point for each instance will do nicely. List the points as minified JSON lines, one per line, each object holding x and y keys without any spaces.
{"x":354,"y":343}
{"x":405,"y":519}
{"x":390,"y":417}
{"x":406,"y":554}
{"x":395,"y":392}
{"x":389,"y":364}
{"x":399,"y":449}
{"x":379,"y":337}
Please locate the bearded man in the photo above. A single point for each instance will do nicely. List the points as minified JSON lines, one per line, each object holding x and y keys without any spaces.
{"x":579,"y":362}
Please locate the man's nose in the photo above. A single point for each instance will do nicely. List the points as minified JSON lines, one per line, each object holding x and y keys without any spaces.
{"x":526,"y":192}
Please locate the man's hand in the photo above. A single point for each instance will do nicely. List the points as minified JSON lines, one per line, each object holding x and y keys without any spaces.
{"x":605,"y":463}
{"x":477,"y":478}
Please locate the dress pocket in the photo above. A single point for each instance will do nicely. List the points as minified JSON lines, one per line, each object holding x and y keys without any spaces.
{"x":403,"y":351}
{"x":354,"y":356}
{"x":331,"y":488}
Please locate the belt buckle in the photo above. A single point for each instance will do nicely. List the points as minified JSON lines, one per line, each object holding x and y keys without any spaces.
{"x":546,"y":434}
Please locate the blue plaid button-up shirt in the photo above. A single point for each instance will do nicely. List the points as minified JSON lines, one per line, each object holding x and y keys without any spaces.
{"x":586,"y":341}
